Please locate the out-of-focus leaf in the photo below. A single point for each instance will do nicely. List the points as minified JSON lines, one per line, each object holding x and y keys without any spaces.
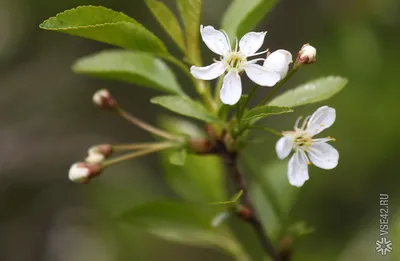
{"x":311,"y":92}
{"x":181,"y":126}
{"x":242,"y":16}
{"x":185,"y":106}
{"x":190,"y":11}
{"x":129,"y":66}
{"x":183,"y":223}
{"x":178,"y":157}
{"x":107,"y":26}
{"x":168,"y":21}
{"x":273,"y":195}
{"x":264,"y":111}
{"x":200,"y":179}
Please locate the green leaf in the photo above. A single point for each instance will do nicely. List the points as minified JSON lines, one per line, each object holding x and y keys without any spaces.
{"x":242,"y":16}
{"x":107,"y":26}
{"x":241,"y":107}
{"x":264,"y":111}
{"x":190,"y":11}
{"x":200,"y":179}
{"x":168,"y":21}
{"x":185,"y":106}
{"x":181,"y":126}
{"x":178,"y":157}
{"x":233,"y":199}
{"x":182,"y":223}
{"x":273,"y":195}
{"x":311,"y":92}
{"x":129,"y":66}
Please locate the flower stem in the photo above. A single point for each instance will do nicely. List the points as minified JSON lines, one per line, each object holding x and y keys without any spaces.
{"x":146,"y":126}
{"x":277,"y":87}
{"x":158,"y":147}
{"x":135,"y":146}
{"x":202,"y":87}
{"x":277,"y":133}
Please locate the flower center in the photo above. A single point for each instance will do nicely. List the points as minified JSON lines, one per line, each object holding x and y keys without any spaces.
{"x":235,"y":60}
{"x":302,"y":141}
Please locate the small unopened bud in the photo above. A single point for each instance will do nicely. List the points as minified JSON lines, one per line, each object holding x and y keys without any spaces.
{"x":83,"y":172}
{"x":307,"y":55}
{"x":200,"y":146}
{"x":98,"y":153}
{"x":95,"y":158}
{"x":104,"y":99}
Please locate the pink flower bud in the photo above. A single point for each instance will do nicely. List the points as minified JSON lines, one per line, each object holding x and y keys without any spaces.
{"x":83,"y":172}
{"x":104,"y":99}
{"x":307,"y":55}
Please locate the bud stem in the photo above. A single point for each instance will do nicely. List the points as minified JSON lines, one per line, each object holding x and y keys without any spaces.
{"x":277,"y":87}
{"x":157,"y":147}
{"x":135,"y":146}
{"x":146,"y":126}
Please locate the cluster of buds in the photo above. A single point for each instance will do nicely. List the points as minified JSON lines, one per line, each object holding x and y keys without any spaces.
{"x":95,"y":162}
{"x":306,"y":55}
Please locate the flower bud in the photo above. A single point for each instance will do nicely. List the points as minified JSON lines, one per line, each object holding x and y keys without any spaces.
{"x":104,"y":99}
{"x":83,"y":172}
{"x":200,"y":146}
{"x":98,"y":153}
{"x":307,"y":55}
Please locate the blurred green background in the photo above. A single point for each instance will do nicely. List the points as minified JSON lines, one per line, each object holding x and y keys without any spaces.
{"x":48,"y":122}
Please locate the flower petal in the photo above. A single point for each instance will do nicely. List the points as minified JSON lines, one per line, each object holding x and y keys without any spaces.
{"x":321,"y":119}
{"x":251,"y":42}
{"x":298,"y":169}
{"x":279,"y":61}
{"x":284,"y":146}
{"x":209,"y":72}
{"x":215,"y":40}
{"x":323,"y":155}
{"x":261,"y":75}
{"x":231,"y":88}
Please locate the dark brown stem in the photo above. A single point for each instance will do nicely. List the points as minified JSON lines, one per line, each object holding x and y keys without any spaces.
{"x":247,"y":212}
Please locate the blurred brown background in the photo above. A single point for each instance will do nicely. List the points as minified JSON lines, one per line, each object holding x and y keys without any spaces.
{"x":48,"y":122}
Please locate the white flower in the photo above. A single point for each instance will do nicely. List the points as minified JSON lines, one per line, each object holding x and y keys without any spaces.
{"x":307,"y":149}
{"x":234,"y":61}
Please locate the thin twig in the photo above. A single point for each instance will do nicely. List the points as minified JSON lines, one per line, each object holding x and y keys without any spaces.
{"x":230,"y":159}
{"x":146,"y":126}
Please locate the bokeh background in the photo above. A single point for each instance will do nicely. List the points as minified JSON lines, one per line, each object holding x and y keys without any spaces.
{"x":47,"y":122}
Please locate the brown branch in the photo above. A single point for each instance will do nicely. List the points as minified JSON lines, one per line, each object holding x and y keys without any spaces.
{"x":247,"y":212}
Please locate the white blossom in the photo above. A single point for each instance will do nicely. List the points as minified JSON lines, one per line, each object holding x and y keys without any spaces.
{"x":234,"y":61}
{"x":306,"y":149}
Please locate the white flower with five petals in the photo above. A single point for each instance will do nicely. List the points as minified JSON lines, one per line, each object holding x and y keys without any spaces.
{"x":234,"y":61}
{"x":307,"y":149}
